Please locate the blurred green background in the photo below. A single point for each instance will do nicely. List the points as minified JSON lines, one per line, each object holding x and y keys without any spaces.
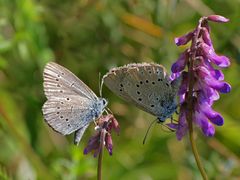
{"x":88,"y":37}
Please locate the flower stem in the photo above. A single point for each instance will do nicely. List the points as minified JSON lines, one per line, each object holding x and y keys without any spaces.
{"x":190,"y":100}
{"x":100,"y":156}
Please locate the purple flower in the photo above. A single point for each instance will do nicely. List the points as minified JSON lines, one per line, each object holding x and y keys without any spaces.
{"x":208,"y":52}
{"x":105,"y":125}
{"x":206,"y":36}
{"x":217,"y":18}
{"x":183,"y":126}
{"x":196,"y":66}
{"x":180,"y":64}
{"x":184,"y":39}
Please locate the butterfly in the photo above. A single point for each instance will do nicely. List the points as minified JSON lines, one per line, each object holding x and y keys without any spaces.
{"x":71,"y":105}
{"x":147,"y":86}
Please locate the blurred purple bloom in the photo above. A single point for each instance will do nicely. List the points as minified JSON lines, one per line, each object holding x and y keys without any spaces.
{"x":206,"y":80}
{"x":105,"y":125}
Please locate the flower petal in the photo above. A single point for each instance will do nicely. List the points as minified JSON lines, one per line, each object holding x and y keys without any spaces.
{"x":208,"y":52}
{"x":206,"y":36}
{"x":202,"y":121}
{"x":212,"y":115}
{"x":182,"y":40}
{"x":109,"y":143}
{"x":206,"y":77}
{"x":182,"y":123}
{"x":217,"y":18}
{"x":181,"y":62}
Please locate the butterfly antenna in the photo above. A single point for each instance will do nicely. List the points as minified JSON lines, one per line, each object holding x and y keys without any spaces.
{"x":145,"y":137}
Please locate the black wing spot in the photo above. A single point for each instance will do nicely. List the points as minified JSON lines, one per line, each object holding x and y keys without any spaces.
{"x":167,"y":84}
{"x":66,"y":119}
{"x":61,"y":102}
{"x":61,"y":91}
{"x":58,"y":107}
{"x":57,"y":79}
{"x":68,"y":99}
{"x":121,"y":85}
{"x":160,"y":79}
{"x":61,"y":117}
{"x":69,"y":125}
{"x":153,"y":82}
{"x":152,"y":105}
{"x":138,"y":92}
{"x":141,"y":82}
{"x":58,"y":76}
{"x":58,"y":85}
{"x":157,"y":98}
{"x":137,"y":85}
{"x":140,"y":99}
{"x":62,"y":73}
{"x":147,"y":81}
{"x":57,"y":112}
{"x":149,"y":72}
{"x":120,"y":90}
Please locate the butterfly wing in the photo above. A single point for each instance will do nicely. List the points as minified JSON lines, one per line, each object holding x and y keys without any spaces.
{"x":70,"y":102}
{"x":59,"y":80}
{"x":145,"y":85}
{"x":68,"y":113}
{"x":79,"y":133}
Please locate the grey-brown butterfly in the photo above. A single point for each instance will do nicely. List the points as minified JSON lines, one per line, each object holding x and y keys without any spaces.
{"x":71,"y":105}
{"x":146,"y":85}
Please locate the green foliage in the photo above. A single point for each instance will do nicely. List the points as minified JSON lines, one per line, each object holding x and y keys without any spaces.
{"x":89,"y":37}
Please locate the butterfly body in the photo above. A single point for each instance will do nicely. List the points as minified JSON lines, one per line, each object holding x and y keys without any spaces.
{"x":147,"y":86}
{"x":70,"y":105}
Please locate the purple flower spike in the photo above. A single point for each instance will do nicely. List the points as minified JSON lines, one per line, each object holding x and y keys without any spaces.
{"x":180,"y":64}
{"x":208,"y":52}
{"x":105,"y":125}
{"x":217,"y":18}
{"x":201,"y":81}
{"x":184,"y":39}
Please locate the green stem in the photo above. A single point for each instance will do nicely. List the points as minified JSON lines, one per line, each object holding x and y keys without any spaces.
{"x":100,"y":156}
{"x":195,"y":152}
{"x":190,"y":101}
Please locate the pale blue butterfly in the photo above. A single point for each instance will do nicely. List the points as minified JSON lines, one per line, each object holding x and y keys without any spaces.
{"x":146,"y":85}
{"x":71,"y":105}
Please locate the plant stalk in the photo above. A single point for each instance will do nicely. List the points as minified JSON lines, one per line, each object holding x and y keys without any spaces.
{"x":190,"y":101}
{"x":100,"y":156}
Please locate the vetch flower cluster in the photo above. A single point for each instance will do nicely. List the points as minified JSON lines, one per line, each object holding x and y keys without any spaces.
{"x":201,"y":81}
{"x":103,"y":137}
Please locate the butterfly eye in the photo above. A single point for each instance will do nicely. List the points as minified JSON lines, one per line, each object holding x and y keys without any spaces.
{"x":104,"y":101}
